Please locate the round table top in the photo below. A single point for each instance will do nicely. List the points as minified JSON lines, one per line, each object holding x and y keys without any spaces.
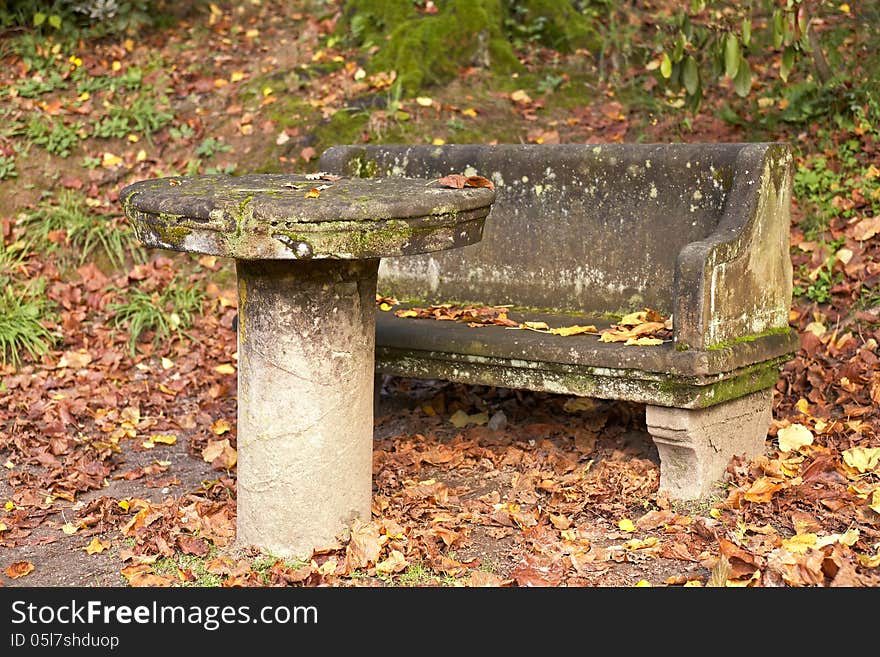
{"x":285,"y":216}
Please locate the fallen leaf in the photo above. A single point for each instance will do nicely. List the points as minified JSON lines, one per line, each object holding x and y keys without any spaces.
{"x":762,"y":490}
{"x":862,"y":459}
{"x":393,"y":564}
{"x":573,"y":330}
{"x":164,"y":438}
{"x":220,"y":426}
{"x":793,"y":437}
{"x":643,"y":342}
{"x":69,"y":528}
{"x":626,"y":525}
{"x":19,"y":569}
{"x":225,"y":368}
{"x":313,"y":193}
{"x":363,"y":547}
{"x":97,"y":546}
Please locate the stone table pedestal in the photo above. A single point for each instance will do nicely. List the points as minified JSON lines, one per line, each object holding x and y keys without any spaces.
{"x":306,"y":253}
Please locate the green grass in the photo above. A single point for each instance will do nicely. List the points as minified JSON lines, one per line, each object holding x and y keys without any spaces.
{"x":168,"y":312}
{"x":89,"y":233}
{"x":196,"y":565}
{"x":23,"y":308}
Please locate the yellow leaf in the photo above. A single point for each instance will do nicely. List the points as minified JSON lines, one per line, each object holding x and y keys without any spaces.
{"x":406,"y":313}
{"x":221,"y":426}
{"x":875,"y":500}
{"x":794,"y":437}
{"x":424,"y":101}
{"x":141,"y":156}
{"x":148,"y":444}
{"x":225,"y":368}
{"x":252,"y":33}
{"x":863,"y":459}
{"x":69,"y":528}
{"x":125,"y":505}
{"x":762,"y":490}
{"x":167,"y":363}
{"x":642,"y":583}
{"x":573,"y":330}
{"x":869,"y":561}
{"x":633,"y":319}
{"x":164,"y":438}
{"x":9,"y":464}
{"x":693,"y":582}
{"x":437,"y":141}
{"x":803,"y":406}
{"x":520,"y":96}
{"x":470,"y":111}
{"x":109,"y":160}
{"x":3,"y":526}
{"x":644,"y":342}
{"x":116,"y":65}
{"x":9,"y":505}
{"x":816,"y":328}
{"x":385,"y":306}
{"x":236,"y":76}
{"x":460,"y":419}
{"x":715,"y":513}
{"x":844,"y":8}
{"x":536,"y":326}
{"x":393,"y":564}
{"x":626,"y":525}
{"x":97,"y":546}
{"x":800,"y":543}
{"x":313,"y":193}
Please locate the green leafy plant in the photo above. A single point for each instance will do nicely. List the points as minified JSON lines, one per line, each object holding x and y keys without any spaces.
{"x":7,"y":167}
{"x":54,"y":135}
{"x":710,"y":39}
{"x":211,"y":146}
{"x":168,"y":311}
{"x":24,"y":308}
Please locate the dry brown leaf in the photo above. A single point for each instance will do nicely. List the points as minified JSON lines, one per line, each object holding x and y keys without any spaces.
{"x":19,"y":569}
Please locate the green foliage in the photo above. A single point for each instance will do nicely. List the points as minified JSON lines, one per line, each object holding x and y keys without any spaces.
{"x":211,"y":146}
{"x":167,"y":311}
{"x":837,"y":171}
{"x":99,"y":17}
{"x":23,"y":309}
{"x":7,"y":167}
{"x":711,"y":40}
{"x":823,"y":279}
{"x":54,"y":135}
{"x":88,"y":232}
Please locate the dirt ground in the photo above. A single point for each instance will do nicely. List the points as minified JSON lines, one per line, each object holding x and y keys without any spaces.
{"x":521,"y":419}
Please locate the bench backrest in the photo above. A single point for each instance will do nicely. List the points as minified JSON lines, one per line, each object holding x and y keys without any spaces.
{"x":575,"y":227}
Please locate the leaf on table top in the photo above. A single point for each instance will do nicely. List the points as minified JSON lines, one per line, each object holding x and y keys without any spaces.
{"x":459,"y":181}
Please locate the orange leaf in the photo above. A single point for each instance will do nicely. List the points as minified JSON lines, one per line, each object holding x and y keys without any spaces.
{"x":479,"y":181}
{"x":454,"y":180}
{"x":762,"y":490}
{"x":19,"y":569}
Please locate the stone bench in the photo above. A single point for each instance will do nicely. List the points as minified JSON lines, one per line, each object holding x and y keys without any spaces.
{"x":583,"y":234}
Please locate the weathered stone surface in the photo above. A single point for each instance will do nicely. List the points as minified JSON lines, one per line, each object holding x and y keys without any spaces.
{"x":307,"y":255}
{"x":275,"y":216}
{"x":697,"y":445}
{"x":305,"y":401}
{"x":699,"y":231}
{"x":582,"y":232}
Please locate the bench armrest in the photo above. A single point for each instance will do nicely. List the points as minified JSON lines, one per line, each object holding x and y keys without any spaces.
{"x":736,"y":284}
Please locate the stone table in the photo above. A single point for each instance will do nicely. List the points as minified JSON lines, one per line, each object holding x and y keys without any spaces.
{"x":307,"y":251}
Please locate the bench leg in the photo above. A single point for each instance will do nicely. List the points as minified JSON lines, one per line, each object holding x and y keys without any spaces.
{"x":697,"y":445}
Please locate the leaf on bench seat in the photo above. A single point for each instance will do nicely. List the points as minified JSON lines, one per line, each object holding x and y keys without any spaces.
{"x":573,"y":330}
